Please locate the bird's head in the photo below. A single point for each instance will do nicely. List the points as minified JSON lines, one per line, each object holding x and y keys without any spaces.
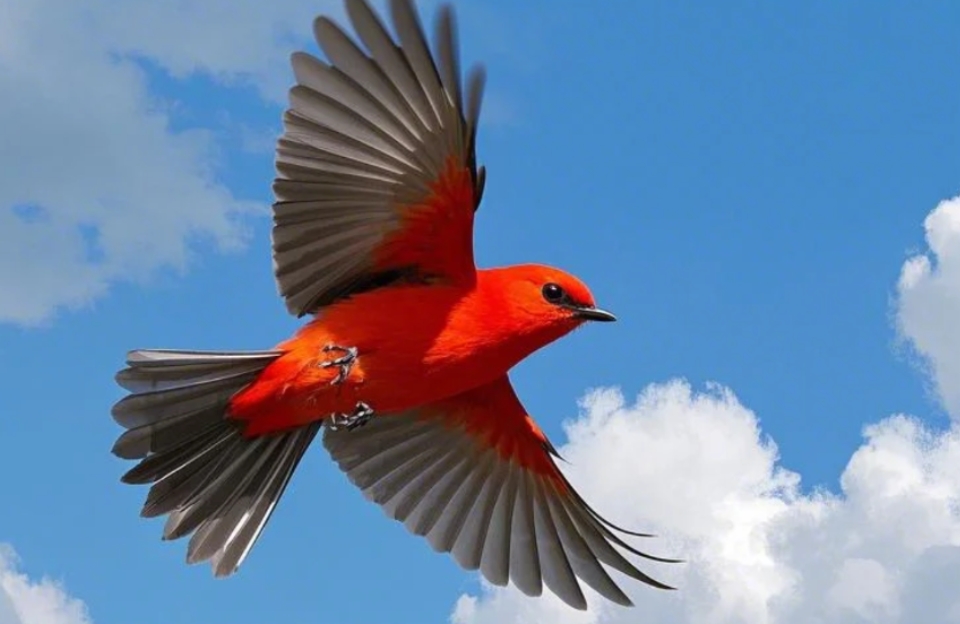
{"x":545,"y":301}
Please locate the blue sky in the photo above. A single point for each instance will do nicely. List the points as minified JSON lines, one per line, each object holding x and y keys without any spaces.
{"x":741,"y":185}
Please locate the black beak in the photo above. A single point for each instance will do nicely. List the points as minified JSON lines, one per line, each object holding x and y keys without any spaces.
{"x":594,"y":314}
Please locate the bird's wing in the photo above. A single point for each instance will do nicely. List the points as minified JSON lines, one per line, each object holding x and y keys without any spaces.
{"x":474,"y":474}
{"x":376,"y":170}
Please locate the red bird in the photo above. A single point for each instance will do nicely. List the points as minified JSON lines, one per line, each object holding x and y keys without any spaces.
{"x":404,"y":363}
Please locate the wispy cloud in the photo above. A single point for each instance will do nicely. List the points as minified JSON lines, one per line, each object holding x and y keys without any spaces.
{"x":27,"y":601}
{"x":95,"y":186}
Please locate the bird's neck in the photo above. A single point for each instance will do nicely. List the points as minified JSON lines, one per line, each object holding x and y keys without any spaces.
{"x":492,"y":324}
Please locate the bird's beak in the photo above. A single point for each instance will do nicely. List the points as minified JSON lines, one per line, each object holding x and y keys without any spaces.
{"x":593,"y":314}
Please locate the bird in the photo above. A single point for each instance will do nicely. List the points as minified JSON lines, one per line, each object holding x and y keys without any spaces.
{"x":403,"y":360}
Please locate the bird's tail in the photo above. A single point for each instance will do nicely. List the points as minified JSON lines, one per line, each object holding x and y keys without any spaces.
{"x":210,"y":479}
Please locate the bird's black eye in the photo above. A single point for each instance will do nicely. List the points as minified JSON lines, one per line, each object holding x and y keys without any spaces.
{"x":553,"y":293}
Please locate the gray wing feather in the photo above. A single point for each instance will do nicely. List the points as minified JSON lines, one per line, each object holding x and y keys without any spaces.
{"x":498,"y":546}
{"x":421,"y":480}
{"x":524,"y":556}
{"x":449,"y":526}
{"x":349,"y":59}
{"x":557,"y":573}
{"x":414,"y":44}
{"x":325,"y":80}
{"x":489,"y":512}
{"x":437,"y":499}
{"x":392,"y":62}
{"x":583,"y":561}
{"x":470,"y":543}
{"x":365,"y":133}
{"x":597,"y":538}
{"x":446,"y":36}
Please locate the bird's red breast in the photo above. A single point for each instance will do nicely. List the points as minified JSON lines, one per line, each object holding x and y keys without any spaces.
{"x":417,"y":344}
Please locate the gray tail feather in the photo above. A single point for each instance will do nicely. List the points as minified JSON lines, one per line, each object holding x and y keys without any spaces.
{"x":212,"y":481}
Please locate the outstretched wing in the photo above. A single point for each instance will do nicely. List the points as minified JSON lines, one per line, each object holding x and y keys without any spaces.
{"x":474,"y":474}
{"x":377,"y":177}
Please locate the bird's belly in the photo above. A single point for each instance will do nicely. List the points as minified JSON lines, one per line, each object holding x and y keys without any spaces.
{"x":394,"y":382}
{"x":391,"y":373}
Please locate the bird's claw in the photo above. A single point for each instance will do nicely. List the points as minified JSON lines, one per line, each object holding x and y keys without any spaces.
{"x":361,"y":415}
{"x":345,"y":362}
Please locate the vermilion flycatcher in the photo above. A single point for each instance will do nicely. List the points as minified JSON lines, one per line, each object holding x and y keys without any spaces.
{"x":405,"y":359}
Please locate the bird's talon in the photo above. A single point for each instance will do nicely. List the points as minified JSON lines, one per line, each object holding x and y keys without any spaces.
{"x":345,"y":362}
{"x":361,"y":415}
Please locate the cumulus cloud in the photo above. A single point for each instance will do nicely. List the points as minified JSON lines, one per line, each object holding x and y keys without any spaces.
{"x":95,"y":185}
{"x":928,"y":306}
{"x":25,"y":601}
{"x":695,"y":468}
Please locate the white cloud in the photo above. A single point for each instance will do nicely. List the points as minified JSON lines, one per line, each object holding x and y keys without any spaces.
{"x":695,"y":468}
{"x":700,"y":474}
{"x":95,"y":186}
{"x":24,"y":601}
{"x":929,"y":301}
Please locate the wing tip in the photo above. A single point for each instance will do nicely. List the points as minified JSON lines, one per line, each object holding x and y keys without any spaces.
{"x":324,"y":27}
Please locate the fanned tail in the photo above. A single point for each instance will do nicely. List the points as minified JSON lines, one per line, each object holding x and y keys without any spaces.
{"x":212,"y":481}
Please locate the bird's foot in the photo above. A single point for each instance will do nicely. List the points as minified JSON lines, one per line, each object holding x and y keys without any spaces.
{"x":361,"y":415}
{"x":345,"y":362}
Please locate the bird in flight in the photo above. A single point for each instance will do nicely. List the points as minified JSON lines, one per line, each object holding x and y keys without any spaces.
{"x":404,"y":362}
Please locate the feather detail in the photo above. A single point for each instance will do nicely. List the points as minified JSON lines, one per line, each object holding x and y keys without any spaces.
{"x":206,"y":476}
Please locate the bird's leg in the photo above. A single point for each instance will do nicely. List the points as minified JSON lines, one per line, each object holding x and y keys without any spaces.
{"x":361,"y":415}
{"x":345,"y":362}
